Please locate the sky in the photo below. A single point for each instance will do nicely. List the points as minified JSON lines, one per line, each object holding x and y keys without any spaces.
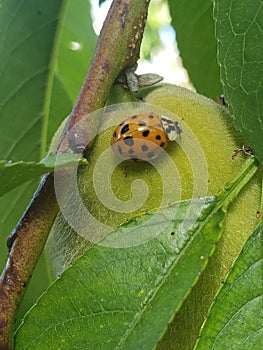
{"x":172,"y":71}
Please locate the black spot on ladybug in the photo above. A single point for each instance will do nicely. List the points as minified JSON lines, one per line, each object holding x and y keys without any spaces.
{"x":145,"y":133}
{"x":158,"y":137}
{"x":162,"y":144}
{"x":141,"y":122}
{"x":128,"y":140}
{"x":125,"y":128}
{"x":150,"y":116}
{"x":144,"y":148}
{"x":131,"y":151}
{"x":134,"y":116}
{"x":150,"y":155}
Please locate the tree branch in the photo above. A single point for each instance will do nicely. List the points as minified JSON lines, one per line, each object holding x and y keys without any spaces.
{"x":117,"y":49}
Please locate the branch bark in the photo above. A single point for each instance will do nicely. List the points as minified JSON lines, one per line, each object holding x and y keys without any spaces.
{"x":117,"y":49}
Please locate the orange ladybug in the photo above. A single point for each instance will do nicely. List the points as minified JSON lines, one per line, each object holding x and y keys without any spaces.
{"x":144,"y":136}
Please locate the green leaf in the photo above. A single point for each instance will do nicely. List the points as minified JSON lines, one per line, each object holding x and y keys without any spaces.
{"x":125,"y":297}
{"x":236,"y":317}
{"x":239,"y":31}
{"x":14,"y":174}
{"x":194,"y":28}
{"x":37,"y":61}
{"x":41,"y":75}
{"x":37,"y":66}
{"x":27,"y":31}
{"x":74,"y":53}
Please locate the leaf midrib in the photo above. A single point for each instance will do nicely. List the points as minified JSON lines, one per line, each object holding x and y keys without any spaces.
{"x":140,"y":313}
{"x":51,"y":78}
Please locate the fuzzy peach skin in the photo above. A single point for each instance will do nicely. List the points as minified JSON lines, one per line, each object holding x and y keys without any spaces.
{"x":203,"y":159}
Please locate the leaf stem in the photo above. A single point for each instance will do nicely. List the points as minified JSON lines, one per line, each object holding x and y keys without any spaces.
{"x":117,"y":49}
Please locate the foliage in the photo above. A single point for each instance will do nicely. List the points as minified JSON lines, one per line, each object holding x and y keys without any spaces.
{"x":131,"y":294}
{"x":40,"y":79}
{"x":237,"y":302}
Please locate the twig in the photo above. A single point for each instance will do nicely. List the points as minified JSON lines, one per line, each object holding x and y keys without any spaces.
{"x":117,"y":49}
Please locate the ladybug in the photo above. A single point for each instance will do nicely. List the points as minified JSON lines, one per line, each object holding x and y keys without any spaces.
{"x":144,"y":136}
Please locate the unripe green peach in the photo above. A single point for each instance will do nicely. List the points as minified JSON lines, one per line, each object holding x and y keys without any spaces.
{"x":215,"y":131}
{"x":214,"y":128}
{"x":211,"y":128}
{"x":207,"y":143}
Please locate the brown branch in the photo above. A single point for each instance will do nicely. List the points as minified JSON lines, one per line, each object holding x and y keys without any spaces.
{"x":31,"y":234}
{"x":117,"y":49}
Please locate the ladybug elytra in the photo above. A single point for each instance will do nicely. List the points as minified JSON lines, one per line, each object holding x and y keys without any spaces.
{"x":144,"y":136}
